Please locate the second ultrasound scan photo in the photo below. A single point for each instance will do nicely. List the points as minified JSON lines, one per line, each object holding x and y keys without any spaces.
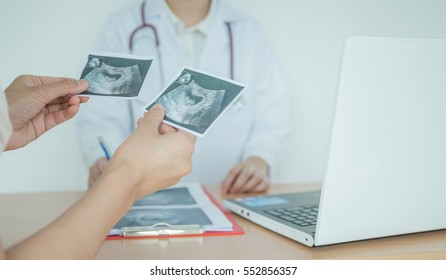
{"x":194,"y":100}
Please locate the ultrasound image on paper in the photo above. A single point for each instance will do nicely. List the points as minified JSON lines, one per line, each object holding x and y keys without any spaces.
{"x":178,"y":196}
{"x":119,"y":76}
{"x":193,"y":105}
{"x":195,"y":100}
{"x":177,"y":216}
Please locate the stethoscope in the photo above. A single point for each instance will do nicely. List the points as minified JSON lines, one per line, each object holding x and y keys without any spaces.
{"x":145,"y":25}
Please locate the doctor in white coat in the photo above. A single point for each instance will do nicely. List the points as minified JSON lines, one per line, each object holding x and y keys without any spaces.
{"x":243,"y":150}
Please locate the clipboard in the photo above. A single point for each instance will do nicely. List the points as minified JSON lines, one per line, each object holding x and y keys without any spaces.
{"x":164,"y":230}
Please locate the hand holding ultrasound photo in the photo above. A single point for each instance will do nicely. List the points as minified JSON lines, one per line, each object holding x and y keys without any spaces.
{"x":115,"y":75}
{"x":194,"y":100}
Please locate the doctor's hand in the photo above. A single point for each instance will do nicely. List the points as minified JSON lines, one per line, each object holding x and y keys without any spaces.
{"x":37,"y":104}
{"x":250,"y":175}
{"x":152,"y":160}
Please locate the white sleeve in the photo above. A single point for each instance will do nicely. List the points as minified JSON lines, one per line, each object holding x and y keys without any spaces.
{"x":270,"y":137}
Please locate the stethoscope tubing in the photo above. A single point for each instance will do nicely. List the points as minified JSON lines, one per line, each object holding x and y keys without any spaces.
{"x":144,"y":25}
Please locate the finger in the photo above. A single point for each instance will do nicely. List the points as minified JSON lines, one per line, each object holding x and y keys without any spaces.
{"x":153,"y":118}
{"x":262,"y":186}
{"x":232,"y":175}
{"x":73,"y":100}
{"x":96,"y":170}
{"x":55,"y":107}
{"x":93,"y":174}
{"x":76,"y":100}
{"x":253,"y":182}
{"x":90,"y":181}
{"x":102,"y":164}
{"x":52,"y":91}
{"x":242,"y":179}
{"x":84,"y":99}
{"x":166,"y":129}
{"x":139,"y":121}
{"x":66,"y":114}
{"x":55,"y":117}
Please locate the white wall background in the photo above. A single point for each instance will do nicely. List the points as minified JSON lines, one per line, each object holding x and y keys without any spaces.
{"x":51,"y":37}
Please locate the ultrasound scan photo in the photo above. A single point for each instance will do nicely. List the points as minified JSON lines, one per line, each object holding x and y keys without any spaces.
{"x":115,"y":76}
{"x":150,"y":217}
{"x":195,"y":100}
{"x":193,"y":105}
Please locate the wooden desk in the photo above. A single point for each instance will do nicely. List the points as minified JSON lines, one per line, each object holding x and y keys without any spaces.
{"x":23,"y":214}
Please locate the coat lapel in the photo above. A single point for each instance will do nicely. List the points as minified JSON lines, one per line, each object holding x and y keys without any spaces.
{"x":216,"y":53}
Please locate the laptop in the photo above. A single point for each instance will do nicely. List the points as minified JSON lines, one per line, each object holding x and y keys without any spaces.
{"x":386,"y":166}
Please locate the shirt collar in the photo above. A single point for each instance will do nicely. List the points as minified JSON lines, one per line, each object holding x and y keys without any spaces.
{"x":202,"y":27}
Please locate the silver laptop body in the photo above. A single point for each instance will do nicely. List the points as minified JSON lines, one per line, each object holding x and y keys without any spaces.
{"x":386,"y":164}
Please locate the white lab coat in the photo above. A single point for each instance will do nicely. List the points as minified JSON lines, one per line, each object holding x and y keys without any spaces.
{"x":260,"y":128}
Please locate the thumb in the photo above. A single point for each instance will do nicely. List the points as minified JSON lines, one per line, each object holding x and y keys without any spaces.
{"x":61,"y":88}
{"x":153,"y":117}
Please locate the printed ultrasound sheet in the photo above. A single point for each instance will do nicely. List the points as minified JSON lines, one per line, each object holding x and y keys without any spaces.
{"x":115,"y":75}
{"x":183,"y":204}
{"x":195,"y":100}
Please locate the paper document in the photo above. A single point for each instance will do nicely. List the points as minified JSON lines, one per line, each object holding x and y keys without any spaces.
{"x":194,"y":100}
{"x":115,"y":75}
{"x":183,"y":204}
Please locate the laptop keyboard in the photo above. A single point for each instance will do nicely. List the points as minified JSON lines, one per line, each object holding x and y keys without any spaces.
{"x":301,"y":215}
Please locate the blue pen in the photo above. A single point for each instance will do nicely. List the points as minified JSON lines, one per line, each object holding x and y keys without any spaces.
{"x":104,"y":148}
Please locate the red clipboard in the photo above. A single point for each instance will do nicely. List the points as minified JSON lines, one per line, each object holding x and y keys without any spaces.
{"x":236,"y":228}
